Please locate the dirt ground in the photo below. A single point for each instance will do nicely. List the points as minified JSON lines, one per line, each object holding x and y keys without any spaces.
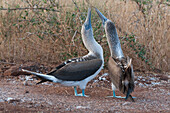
{"x":21,"y":94}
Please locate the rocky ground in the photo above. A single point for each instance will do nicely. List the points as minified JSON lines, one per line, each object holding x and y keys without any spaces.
{"x":21,"y":94}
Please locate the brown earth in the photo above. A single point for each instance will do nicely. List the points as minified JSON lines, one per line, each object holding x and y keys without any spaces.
{"x":21,"y":94}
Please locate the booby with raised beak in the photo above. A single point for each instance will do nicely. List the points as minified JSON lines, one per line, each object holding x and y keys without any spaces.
{"x":78,"y":71}
{"x":120,"y":67}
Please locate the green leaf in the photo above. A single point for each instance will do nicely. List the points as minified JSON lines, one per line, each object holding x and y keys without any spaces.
{"x":17,"y":6}
{"x":133,"y":40}
{"x":144,"y":2}
{"x":44,"y":1}
{"x":149,"y":63}
{"x":146,"y":61}
{"x":26,"y":13}
{"x":33,"y":20}
{"x":9,"y":10}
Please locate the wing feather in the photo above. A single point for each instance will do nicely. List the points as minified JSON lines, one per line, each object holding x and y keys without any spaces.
{"x":77,"y":71}
{"x":122,"y":78}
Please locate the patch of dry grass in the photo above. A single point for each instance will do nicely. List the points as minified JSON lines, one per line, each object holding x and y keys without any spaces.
{"x":54,"y":36}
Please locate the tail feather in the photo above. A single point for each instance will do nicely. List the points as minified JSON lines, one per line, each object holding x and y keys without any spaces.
{"x":130,"y":96}
{"x":42,"y":82}
{"x":127,"y":95}
{"x":43,"y":77}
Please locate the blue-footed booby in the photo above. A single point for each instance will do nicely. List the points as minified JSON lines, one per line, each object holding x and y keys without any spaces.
{"x":78,"y":71}
{"x":120,"y":67}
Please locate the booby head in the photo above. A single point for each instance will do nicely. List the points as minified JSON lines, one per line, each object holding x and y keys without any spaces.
{"x":87,"y":23}
{"x":112,"y":36}
{"x":88,"y":39}
{"x":87,"y":30}
{"x":102,"y":17}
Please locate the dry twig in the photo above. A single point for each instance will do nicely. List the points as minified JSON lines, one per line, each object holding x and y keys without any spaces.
{"x":30,"y":8}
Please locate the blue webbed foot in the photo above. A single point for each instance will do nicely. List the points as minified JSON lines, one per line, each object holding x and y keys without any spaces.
{"x":81,"y":94}
{"x":114,"y":96}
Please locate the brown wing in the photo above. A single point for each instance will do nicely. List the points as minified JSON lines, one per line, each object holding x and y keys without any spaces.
{"x":119,"y":76}
{"x":114,"y":72}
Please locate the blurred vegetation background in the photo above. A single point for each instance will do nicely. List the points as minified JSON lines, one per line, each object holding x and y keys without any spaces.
{"x":49,"y":31}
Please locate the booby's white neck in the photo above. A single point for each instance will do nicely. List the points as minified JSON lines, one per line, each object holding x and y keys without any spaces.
{"x":90,"y":43}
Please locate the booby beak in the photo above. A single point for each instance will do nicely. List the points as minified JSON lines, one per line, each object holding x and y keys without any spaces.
{"x":102,"y":17}
{"x":87,"y":23}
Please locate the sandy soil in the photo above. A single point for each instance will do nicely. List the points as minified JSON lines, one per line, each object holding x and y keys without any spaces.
{"x":21,"y":94}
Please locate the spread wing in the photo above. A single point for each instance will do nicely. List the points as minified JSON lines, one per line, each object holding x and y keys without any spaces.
{"x":77,"y":71}
{"x":114,"y":72}
{"x":122,"y":78}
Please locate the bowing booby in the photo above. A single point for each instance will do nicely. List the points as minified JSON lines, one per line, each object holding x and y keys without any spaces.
{"x":78,"y":71}
{"x":120,"y":67}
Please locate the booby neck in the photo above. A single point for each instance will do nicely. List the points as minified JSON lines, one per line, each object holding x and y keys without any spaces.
{"x":87,"y":36}
{"x":112,"y":36}
{"x":113,"y":40}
